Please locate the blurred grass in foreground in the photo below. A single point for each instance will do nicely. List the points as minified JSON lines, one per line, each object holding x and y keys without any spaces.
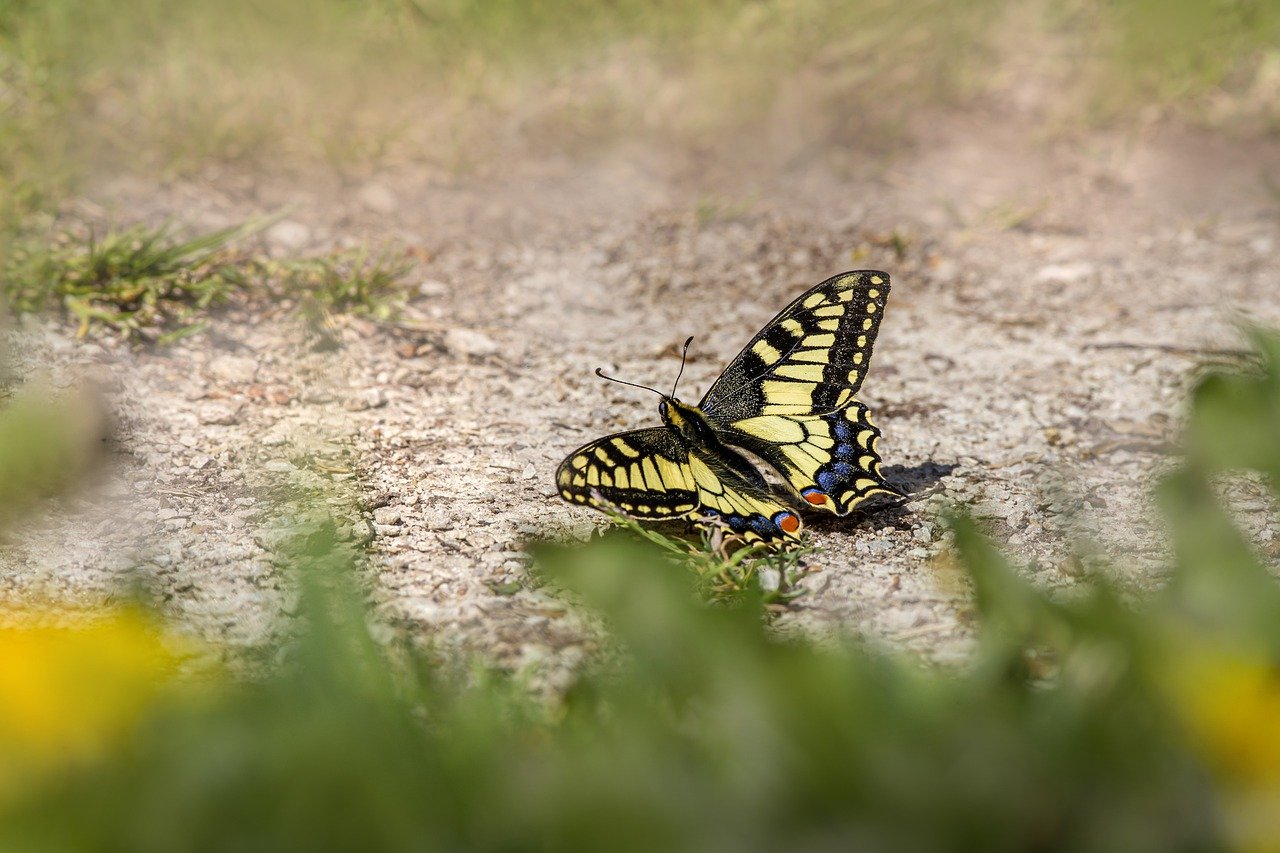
{"x":1082,"y":723}
{"x":172,"y":87}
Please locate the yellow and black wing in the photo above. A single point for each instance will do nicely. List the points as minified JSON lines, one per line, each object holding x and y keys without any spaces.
{"x":649,"y":474}
{"x":789,"y":396}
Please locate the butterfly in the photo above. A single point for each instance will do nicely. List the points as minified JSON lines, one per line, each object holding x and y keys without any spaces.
{"x":789,"y":398}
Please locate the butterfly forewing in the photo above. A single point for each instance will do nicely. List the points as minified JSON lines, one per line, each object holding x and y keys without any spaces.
{"x":789,"y":396}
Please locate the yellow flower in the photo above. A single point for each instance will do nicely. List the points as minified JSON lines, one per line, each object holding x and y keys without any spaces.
{"x":1230,"y":705}
{"x":68,"y":691}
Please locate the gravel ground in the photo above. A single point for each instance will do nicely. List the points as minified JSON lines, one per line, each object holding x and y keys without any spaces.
{"x":1052,"y":302}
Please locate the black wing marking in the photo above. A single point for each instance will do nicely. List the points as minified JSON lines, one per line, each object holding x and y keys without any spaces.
{"x":649,"y":474}
{"x":644,"y":473}
{"x":789,"y":396}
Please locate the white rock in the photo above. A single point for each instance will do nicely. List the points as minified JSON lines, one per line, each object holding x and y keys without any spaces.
{"x":386,"y":515}
{"x":233,"y":368}
{"x":289,"y":234}
{"x":469,"y":342}
{"x":221,"y":413}
{"x":377,"y":197}
{"x":1065,"y":273}
{"x":433,"y":287}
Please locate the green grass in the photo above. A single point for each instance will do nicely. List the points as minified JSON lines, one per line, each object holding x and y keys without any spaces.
{"x":724,"y":569}
{"x":355,"y":282}
{"x":145,"y":283}
{"x":139,"y":281}
{"x":1096,"y":721}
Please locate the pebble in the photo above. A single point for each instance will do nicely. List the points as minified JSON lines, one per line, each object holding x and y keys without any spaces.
{"x":370,"y":398}
{"x":316,"y":396}
{"x":1065,"y":273}
{"x":233,"y":368}
{"x":437,"y":520}
{"x":201,"y":461}
{"x":468,"y":342}
{"x":377,"y":198}
{"x":289,"y":234}
{"x":278,"y":466}
{"x":386,"y":515}
{"x":224,"y":414}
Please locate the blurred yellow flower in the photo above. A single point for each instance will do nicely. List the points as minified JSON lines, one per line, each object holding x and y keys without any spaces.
{"x":69,"y":691}
{"x":1230,"y":704}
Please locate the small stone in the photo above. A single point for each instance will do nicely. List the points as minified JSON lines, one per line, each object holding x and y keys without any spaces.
{"x":529,"y":472}
{"x":370,"y":398}
{"x":278,"y":466}
{"x":234,"y":368}
{"x":469,"y":342}
{"x":273,"y":440}
{"x":223,"y":414}
{"x":200,"y":462}
{"x":770,"y":580}
{"x":377,"y":198}
{"x":437,"y":520}
{"x":433,"y":287}
{"x":289,"y":234}
{"x":1065,"y":273}
{"x":386,"y":515}
{"x":923,"y":533}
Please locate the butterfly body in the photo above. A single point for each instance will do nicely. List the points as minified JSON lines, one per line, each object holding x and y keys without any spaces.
{"x":788,"y":398}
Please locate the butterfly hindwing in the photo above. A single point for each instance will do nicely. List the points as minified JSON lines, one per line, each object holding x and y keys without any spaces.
{"x":789,"y":396}
{"x":648,"y":474}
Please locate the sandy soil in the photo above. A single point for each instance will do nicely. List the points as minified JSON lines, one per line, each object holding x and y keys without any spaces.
{"x":1052,"y":302}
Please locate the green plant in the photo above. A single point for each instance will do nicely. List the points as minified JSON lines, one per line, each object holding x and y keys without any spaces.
{"x":355,"y":282}
{"x":136,"y":282}
{"x":727,"y":570}
{"x":1084,"y":722}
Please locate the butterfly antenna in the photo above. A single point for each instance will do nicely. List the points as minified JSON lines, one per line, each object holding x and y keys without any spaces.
{"x":684,"y":354}
{"x":600,"y":372}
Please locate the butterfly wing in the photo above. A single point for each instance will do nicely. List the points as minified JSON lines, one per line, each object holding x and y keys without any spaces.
{"x":789,"y":396}
{"x":643,"y":473}
{"x":649,"y":474}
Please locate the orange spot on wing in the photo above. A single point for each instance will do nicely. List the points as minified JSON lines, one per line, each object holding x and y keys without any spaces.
{"x":789,"y":523}
{"x":816,"y":498}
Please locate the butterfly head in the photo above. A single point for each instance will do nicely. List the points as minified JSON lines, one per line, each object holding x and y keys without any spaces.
{"x":687,"y":421}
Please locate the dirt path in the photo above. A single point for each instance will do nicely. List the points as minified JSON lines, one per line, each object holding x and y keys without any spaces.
{"x":1051,"y":304}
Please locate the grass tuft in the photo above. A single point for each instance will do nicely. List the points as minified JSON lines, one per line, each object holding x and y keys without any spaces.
{"x":139,"y":282}
{"x":143,"y":283}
